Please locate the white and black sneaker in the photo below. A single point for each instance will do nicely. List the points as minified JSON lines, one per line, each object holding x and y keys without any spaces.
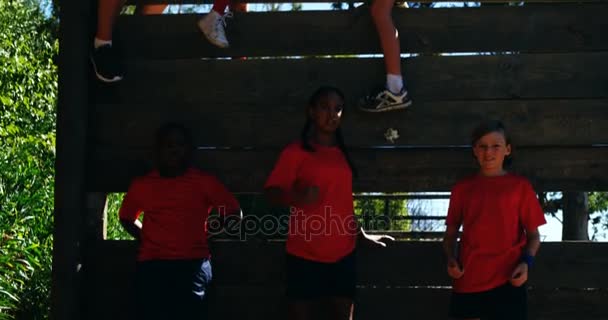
{"x":213,"y":27}
{"x":106,"y":64}
{"x":384,"y":100}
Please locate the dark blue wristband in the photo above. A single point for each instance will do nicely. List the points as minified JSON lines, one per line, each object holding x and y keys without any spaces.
{"x":528,"y":259}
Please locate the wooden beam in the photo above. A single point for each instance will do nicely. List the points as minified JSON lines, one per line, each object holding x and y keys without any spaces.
{"x":70,"y":161}
{"x":261,"y":263}
{"x":389,"y":170}
{"x":140,"y":2}
{"x":405,"y":277}
{"x":548,"y":28}
{"x":427,"y":123}
{"x":269,"y":303}
{"x":426,"y":303}
{"x":225,"y":84}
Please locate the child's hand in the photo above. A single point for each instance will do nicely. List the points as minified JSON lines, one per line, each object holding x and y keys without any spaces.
{"x":520,"y":275}
{"x":377,"y":238}
{"x":454,"y":269}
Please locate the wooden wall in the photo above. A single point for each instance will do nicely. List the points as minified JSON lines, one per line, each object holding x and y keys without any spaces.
{"x":543,"y":74}
{"x":406,"y":280}
{"x":540,"y":67}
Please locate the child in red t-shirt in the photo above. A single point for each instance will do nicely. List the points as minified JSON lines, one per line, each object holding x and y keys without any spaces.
{"x":173,"y":268}
{"x":500,"y":215}
{"x":314,"y":178}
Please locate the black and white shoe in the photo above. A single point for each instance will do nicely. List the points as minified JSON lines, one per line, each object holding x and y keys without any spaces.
{"x":106,"y":64}
{"x":384,"y":100}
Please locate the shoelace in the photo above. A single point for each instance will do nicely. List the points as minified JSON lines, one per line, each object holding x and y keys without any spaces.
{"x":222,"y":19}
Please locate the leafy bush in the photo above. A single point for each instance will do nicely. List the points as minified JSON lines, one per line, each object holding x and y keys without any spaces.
{"x":28,"y":92}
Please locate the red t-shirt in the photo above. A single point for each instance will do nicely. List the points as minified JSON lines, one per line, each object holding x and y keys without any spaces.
{"x":326,"y":230}
{"x":175,"y":213}
{"x":494,"y":213}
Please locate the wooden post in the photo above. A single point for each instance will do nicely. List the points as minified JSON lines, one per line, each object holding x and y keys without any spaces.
{"x":576,"y":215}
{"x":96,"y":216}
{"x":70,"y":162}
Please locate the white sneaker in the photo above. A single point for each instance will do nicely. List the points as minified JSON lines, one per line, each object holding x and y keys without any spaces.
{"x":212,"y":25}
{"x":384,"y":100}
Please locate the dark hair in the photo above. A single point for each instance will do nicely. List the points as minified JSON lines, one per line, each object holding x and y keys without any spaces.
{"x":314,"y":99}
{"x":489,"y":127}
{"x":169,"y":128}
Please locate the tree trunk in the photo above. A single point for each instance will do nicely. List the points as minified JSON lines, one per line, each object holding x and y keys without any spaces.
{"x":576,"y":216}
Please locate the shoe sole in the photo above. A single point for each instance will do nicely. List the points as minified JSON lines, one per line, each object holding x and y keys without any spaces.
{"x":211,"y":40}
{"x":391,"y":108}
{"x":100,"y":77}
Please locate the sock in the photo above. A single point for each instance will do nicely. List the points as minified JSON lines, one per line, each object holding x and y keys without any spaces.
{"x":394,"y":83}
{"x":98,"y":42}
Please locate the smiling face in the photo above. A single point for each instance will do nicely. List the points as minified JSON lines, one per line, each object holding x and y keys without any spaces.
{"x":490,"y":151}
{"x":326,"y":114}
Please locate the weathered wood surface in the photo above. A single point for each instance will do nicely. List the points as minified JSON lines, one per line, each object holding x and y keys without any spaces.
{"x":534,"y":28}
{"x":427,"y":123}
{"x":238,"y":83}
{"x":69,"y":195}
{"x":389,"y":170}
{"x":404,"y":279}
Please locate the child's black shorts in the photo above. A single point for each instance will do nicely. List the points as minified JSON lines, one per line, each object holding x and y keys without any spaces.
{"x":502,"y":303}
{"x":308,"y":279}
{"x":172,"y":289}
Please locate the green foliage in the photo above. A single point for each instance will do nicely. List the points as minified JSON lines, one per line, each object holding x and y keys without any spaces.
{"x":598,"y":213}
{"x":598,"y":202}
{"x":382,"y":214}
{"x":28,"y":91}
{"x":114,"y":230}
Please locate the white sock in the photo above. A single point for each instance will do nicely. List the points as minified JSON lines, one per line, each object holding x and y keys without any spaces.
{"x":98,"y":42}
{"x":394,"y":83}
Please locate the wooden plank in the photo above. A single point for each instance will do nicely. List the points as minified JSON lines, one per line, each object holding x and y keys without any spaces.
{"x":264,"y":125}
{"x":95,"y":221}
{"x":388,"y":170}
{"x":549,"y":28}
{"x":211,"y":83}
{"x":263,"y":302}
{"x":136,"y":2}
{"x":249,"y":281}
{"x":69,"y":197}
{"x":261,"y":263}
{"x":433,"y":304}
{"x":409,"y":303}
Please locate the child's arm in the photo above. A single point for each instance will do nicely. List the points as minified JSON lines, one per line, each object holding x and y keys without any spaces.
{"x":221,"y":199}
{"x":128,"y":214}
{"x":375,"y":238}
{"x":453,"y":222}
{"x":282,"y":187}
{"x":531,"y":217}
{"x":133,"y":228}
{"x":533,"y":243}
{"x":520,"y":274}
{"x":450,"y":240}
